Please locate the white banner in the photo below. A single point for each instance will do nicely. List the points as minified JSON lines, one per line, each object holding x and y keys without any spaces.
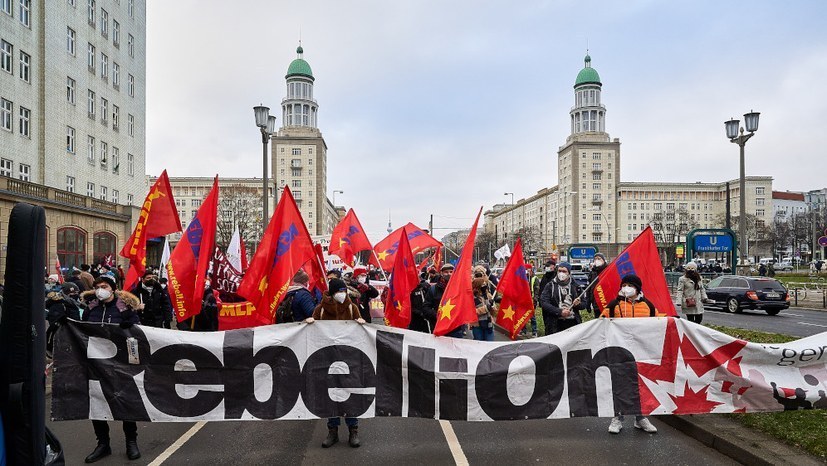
{"x":503,"y":252}
{"x":340,"y":368}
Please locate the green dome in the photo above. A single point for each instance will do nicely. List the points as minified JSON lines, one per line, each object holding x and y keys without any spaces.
{"x":299,"y":67}
{"x":587,"y":75}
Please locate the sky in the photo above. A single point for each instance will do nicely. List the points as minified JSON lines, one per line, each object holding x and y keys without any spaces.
{"x":438,"y":108}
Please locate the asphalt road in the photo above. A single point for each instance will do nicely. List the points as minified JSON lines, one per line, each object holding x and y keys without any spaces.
{"x":794,"y":321}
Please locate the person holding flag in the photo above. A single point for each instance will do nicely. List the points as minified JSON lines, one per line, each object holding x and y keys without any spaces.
{"x":359,"y":281}
{"x":483,"y":328}
{"x":403,"y":281}
{"x":561,"y":308}
{"x":517,"y":304}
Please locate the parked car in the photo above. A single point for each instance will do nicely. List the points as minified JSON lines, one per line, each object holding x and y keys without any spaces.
{"x":581,"y":280}
{"x":783,"y":266}
{"x":732,"y":293}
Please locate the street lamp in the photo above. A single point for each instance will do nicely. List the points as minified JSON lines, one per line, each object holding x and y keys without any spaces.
{"x":512,"y":212}
{"x":334,"y":196}
{"x":732,"y":132}
{"x":267,"y":124}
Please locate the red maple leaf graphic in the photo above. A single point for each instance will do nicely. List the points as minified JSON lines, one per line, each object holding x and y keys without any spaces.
{"x":693,"y":402}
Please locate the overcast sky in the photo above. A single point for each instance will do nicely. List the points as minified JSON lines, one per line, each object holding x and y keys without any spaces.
{"x":438,"y":107}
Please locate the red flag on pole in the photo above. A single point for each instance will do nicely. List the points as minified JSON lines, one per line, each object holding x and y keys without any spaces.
{"x":58,"y":271}
{"x":348,"y":238}
{"x":642,"y":259}
{"x":243,"y":248}
{"x":457,"y":304}
{"x":159,"y":217}
{"x":285,"y":247}
{"x":386,"y":249}
{"x":517,"y":305}
{"x":317,"y":272}
{"x":187,"y":266}
{"x":404,"y":279}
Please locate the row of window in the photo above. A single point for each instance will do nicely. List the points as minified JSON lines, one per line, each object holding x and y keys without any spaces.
{"x":7,"y":61}
{"x":71,"y":246}
{"x":91,"y":107}
{"x":297,"y":172}
{"x":24,"y":10}
{"x":673,"y":196}
{"x":7,"y":118}
{"x":298,"y":151}
{"x":104,"y":153}
{"x":7,"y":169}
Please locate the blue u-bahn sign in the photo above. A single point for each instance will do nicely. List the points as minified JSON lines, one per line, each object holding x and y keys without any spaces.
{"x":582,"y":252}
{"x":705,"y":242}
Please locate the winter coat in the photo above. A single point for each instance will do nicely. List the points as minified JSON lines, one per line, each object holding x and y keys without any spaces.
{"x":207,"y":319}
{"x":686,"y":289}
{"x":120,"y":309}
{"x":59,"y":305}
{"x":423,"y":316}
{"x":553,"y":295}
{"x":638,"y":306}
{"x":545,"y":280}
{"x":330,"y":309}
{"x":366,"y":292}
{"x":157,"y":310}
{"x":303,"y":302}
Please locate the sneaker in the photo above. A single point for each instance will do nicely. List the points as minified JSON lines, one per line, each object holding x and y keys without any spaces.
{"x":646,"y":426}
{"x":616,"y":426}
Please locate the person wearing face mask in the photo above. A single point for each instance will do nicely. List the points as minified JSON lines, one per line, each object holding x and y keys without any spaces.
{"x":435,"y":296}
{"x":548,"y":276}
{"x":599,"y":264}
{"x":364,"y":291}
{"x":336,"y":305}
{"x":107,"y":305}
{"x":59,"y":307}
{"x":155,"y":307}
{"x":561,"y":306}
{"x":630,"y":302}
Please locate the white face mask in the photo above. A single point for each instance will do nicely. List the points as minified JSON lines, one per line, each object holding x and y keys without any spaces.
{"x":628,"y":291}
{"x":548,"y":269}
{"x":599,"y":263}
{"x":562,"y":276}
{"x":103,"y":294}
{"x":340,"y":297}
{"x":361,"y":279}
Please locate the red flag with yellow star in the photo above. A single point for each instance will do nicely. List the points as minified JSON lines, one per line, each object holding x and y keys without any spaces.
{"x":284,"y":249}
{"x":386,"y":249}
{"x":517,"y":306}
{"x":348,"y":238}
{"x":404,"y":280}
{"x":457,"y":305}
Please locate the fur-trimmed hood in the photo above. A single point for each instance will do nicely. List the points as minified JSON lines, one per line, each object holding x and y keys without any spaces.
{"x":126,"y":300}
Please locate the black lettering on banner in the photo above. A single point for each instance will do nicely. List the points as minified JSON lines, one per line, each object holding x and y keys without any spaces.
{"x":389,"y":373}
{"x":582,"y":385}
{"x":239,"y":377}
{"x":161,"y":378}
{"x":421,"y":382}
{"x":317,"y":381}
{"x":453,"y":393}
{"x":492,"y":381}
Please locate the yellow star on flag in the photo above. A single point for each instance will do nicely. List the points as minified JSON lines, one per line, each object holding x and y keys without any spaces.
{"x":382,"y":255}
{"x":398,"y":306}
{"x":446,"y":309}
{"x":262,"y":285}
{"x":508,"y":313}
{"x":342,"y":241}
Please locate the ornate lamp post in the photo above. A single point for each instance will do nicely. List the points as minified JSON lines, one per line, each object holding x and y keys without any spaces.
{"x":267,"y":125}
{"x":732,"y":132}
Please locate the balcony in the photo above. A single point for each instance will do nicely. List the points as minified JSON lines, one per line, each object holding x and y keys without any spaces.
{"x":296,"y":164}
{"x":597,"y":170}
{"x":25,"y":191}
{"x":597,"y":201}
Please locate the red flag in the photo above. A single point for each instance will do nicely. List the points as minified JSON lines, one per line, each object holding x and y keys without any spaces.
{"x":232,"y":316}
{"x":158,"y":217}
{"x":57,"y":269}
{"x":517,"y":305}
{"x":243,"y":248}
{"x":348,"y":238}
{"x":316,"y":270}
{"x":404,"y":279}
{"x":457,"y":304}
{"x":285,"y":247}
{"x":642,"y":259}
{"x":187,"y":266}
{"x":438,"y":258}
{"x":386,"y":249}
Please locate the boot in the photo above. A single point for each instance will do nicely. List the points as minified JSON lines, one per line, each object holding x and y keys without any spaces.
{"x":332,"y":437}
{"x":353,"y":441}
{"x":101,"y":451}
{"x":132,"y":451}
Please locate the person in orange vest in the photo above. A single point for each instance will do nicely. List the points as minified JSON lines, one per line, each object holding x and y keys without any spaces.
{"x":630,"y":302}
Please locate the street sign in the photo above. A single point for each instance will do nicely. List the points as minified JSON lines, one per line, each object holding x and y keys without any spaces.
{"x":679,"y":250}
{"x":713,"y":243}
{"x":587,"y":252}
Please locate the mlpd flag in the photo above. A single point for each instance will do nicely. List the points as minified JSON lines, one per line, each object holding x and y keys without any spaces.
{"x":348,"y":238}
{"x":187,"y":267}
{"x":158,"y":217}
{"x":640,"y":258}
{"x":517,"y":305}
{"x":386,"y":249}
{"x":403,"y":281}
{"x":457,"y":305}
{"x":285,"y":247}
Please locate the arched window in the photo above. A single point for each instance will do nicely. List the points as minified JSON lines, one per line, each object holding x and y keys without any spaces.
{"x":71,"y":247}
{"x":103,"y":247}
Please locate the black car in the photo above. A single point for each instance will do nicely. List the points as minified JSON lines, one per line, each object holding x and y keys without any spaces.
{"x":733,"y":293}
{"x":581,"y":281}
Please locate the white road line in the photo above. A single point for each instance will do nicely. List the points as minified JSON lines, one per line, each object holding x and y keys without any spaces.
{"x":796,"y":315}
{"x":453,"y":443}
{"x":814,"y":325}
{"x":178,"y":444}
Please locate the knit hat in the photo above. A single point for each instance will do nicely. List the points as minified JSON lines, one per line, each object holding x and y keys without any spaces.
{"x":633,"y":280}
{"x":335,"y":285}
{"x":480,"y":269}
{"x":359,"y":271}
{"x":447,"y":266}
{"x":106,"y":279}
{"x":69,"y":288}
{"x":600,"y":255}
{"x":54,"y":277}
{"x":335,"y":272}
{"x":565,"y":265}
{"x":691,"y":266}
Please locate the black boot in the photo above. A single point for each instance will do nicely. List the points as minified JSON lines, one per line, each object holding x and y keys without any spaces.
{"x":353,"y":441}
{"x":332,"y":437}
{"x":132,"y":451}
{"x":101,"y":451}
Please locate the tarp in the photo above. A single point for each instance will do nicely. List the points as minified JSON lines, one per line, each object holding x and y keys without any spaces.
{"x":341,"y":368}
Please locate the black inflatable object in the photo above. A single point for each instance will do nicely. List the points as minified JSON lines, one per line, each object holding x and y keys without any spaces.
{"x":22,"y":338}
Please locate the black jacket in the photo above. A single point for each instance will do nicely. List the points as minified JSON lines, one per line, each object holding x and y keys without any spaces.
{"x":120,"y":309}
{"x":207,"y":319}
{"x":423,"y":316}
{"x":366,"y":293}
{"x":157,"y":310}
{"x":550,"y":300}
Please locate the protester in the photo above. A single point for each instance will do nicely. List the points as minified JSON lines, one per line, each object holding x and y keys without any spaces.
{"x":534,"y":286}
{"x":116,"y":307}
{"x":207,"y":319}
{"x":630,"y":303}
{"x":433,"y":275}
{"x":483,"y":328}
{"x":336,"y":305}
{"x":59,"y":307}
{"x":155,"y":308}
{"x":302,"y":303}
{"x":86,"y":276}
{"x":423,"y":316}
{"x":762,"y":270}
{"x":74,"y":277}
{"x":561,"y":308}
{"x":548,"y":276}
{"x":690,"y":293}
{"x":52,"y":283}
{"x":599,"y":264}
{"x":366,"y":291}
{"x":435,"y":296}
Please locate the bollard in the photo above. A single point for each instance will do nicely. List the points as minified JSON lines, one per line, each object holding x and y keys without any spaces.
{"x":796,"y":297}
{"x":824,"y":299}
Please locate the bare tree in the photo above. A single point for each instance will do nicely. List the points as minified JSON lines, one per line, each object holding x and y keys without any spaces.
{"x":240,"y":206}
{"x":670,"y":229}
{"x":532,"y":239}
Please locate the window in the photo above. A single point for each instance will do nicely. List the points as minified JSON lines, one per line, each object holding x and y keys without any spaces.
{"x":6,"y":167}
{"x":104,"y":193}
{"x":195,"y":202}
{"x":72,"y":2}
{"x":70,"y":40}
{"x":90,"y":189}
{"x":5,"y":5}
{"x":116,"y":33}
{"x":90,"y":57}
{"x":116,"y":75}
{"x":90,"y":150}
{"x":104,"y":110}
{"x":297,"y":151}
{"x":116,"y":159}
{"x":595,"y":217}
{"x":71,"y":247}
{"x":130,"y":8}
{"x":759,"y":191}
{"x":104,"y":67}
{"x":5,"y":114}
{"x":670,"y":206}
{"x":104,"y":154}
{"x":116,"y":117}
{"x":104,"y":23}
{"x":595,"y":185}
{"x":129,"y":199}
{"x":297,"y":172}
{"x":25,"y":116}
{"x":130,"y":85}
{"x":6,"y":50}
{"x":24,"y":172}
{"x":90,"y":103}
{"x":297,"y":183}
{"x":25,"y":12}
{"x":70,"y":90}
{"x":103,"y":245}
{"x":130,"y":125}
{"x":70,"y":183}
{"x":596,"y":156}
{"x":70,"y":139}
{"x":130,"y":165}
{"x":759,"y":201}
{"x":25,"y":65}
{"x":90,"y":12}
{"x":130,"y":45}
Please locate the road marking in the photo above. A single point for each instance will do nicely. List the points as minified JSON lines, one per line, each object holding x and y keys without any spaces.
{"x":453,"y":443}
{"x":178,"y":444}
{"x":814,"y":325}
{"x":795,"y":315}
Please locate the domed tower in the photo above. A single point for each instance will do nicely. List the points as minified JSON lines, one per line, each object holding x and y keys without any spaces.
{"x":588,"y":114}
{"x":299,"y":108}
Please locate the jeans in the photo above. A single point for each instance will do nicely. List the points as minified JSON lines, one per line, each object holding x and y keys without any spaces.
{"x":335,"y":422}
{"x":483,"y":334}
{"x":130,"y":431}
{"x":697,"y":318}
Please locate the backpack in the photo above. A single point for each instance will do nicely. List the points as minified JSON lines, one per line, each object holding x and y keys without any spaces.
{"x":284,"y":312}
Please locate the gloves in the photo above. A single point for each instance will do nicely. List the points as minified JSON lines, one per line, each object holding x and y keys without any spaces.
{"x":309,"y":320}
{"x":126,"y":324}
{"x":360,"y":320}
